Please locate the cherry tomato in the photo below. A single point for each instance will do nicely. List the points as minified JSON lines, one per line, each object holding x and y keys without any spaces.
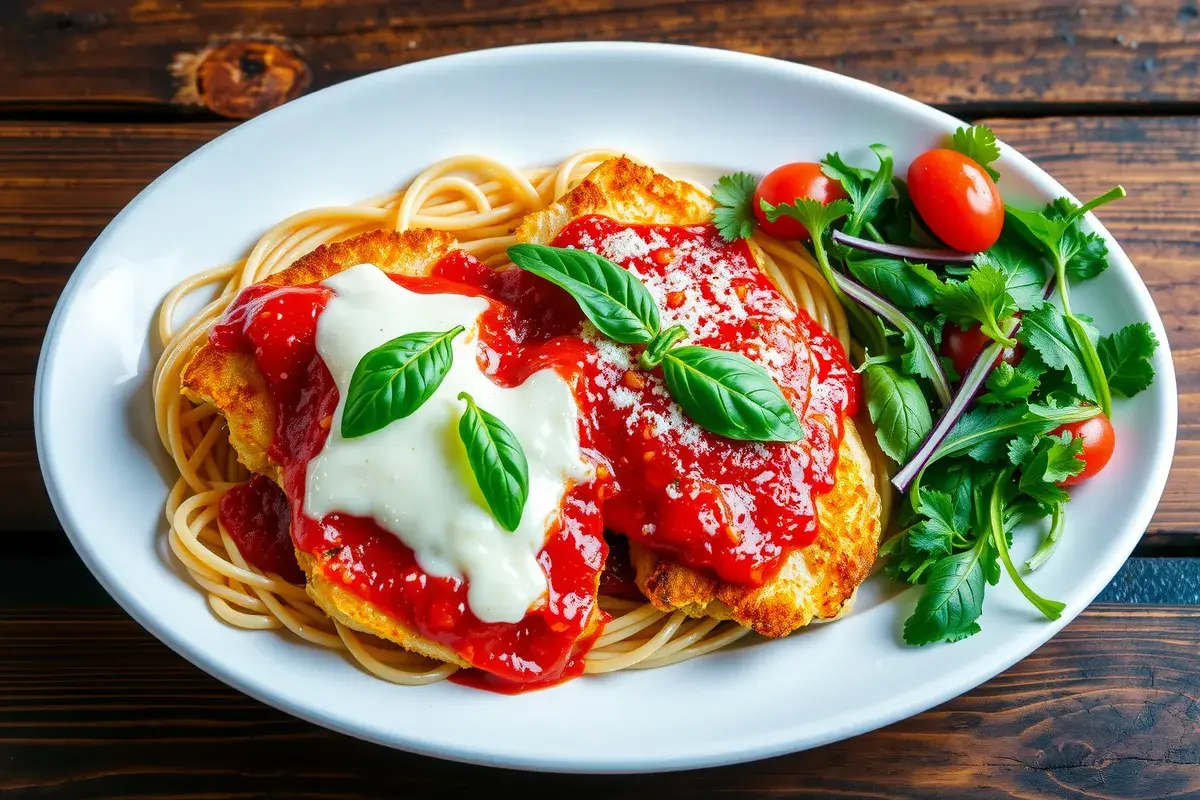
{"x":963,"y":347}
{"x":1099,"y":439}
{"x":787,"y":184}
{"x":956,"y":199}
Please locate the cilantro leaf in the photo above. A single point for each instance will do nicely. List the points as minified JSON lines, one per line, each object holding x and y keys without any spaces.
{"x":866,"y":199}
{"x":1026,"y":278}
{"x":734,"y":214}
{"x":978,"y":144}
{"x":898,"y":410}
{"x":907,"y":285}
{"x":1051,"y":460}
{"x":1086,"y":254}
{"x":1047,"y":331}
{"x":983,"y":297}
{"x":1008,"y":384}
{"x":815,"y":216}
{"x":1126,"y":355}
{"x":936,"y":533}
{"x":951,"y":601}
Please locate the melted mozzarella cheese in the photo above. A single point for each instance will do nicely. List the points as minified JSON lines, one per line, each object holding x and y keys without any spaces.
{"x":412,"y":477}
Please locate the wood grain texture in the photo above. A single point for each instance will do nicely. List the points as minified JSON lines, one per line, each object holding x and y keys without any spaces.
{"x":91,"y":705}
{"x":61,"y":183}
{"x":97,"y":54}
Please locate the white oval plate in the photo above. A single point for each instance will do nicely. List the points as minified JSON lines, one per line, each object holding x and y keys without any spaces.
{"x":528,"y":106}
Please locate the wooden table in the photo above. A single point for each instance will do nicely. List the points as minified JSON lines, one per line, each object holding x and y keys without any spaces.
{"x":1095,"y":92}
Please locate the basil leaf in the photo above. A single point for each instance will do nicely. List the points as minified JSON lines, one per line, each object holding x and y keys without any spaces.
{"x":729,"y":395}
{"x":611,"y":297}
{"x":497,"y":461}
{"x":395,"y":379}
{"x":898,"y":410}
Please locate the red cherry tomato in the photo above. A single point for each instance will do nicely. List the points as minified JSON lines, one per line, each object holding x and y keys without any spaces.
{"x":1099,"y":439}
{"x":787,"y":184}
{"x":963,"y":347}
{"x":956,"y":199}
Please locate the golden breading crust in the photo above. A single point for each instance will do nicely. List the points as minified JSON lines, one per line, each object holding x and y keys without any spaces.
{"x":233,"y":383}
{"x":623,"y":190}
{"x":817,"y":582}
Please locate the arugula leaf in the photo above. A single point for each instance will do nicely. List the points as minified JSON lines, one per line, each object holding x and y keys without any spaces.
{"x":816,"y":219}
{"x":729,"y":395}
{"x":498,"y":462}
{"x":1051,"y":609}
{"x":615,"y":301}
{"x":1051,"y":460}
{"x":1007,"y":384}
{"x":951,"y":601}
{"x":1047,"y":331}
{"x":907,"y":285}
{"x":978,"y":143}
{"x":1073,"y":254}
{"x":898,"y":410}
{"x":1125,"y":356}
{"x":734,"y":214}
{"x":984,"y":433}
{"x":1048,"y":545}
{"x":983,"y":297}
{"x":918,"y":360}
{"x":867,"y":200}
{"x":895,"y":219}
{"x":393,"y":380}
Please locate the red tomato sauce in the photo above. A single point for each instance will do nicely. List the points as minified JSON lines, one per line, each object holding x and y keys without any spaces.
{"x":278,"y":325}
{"x":256,"y":516}
{"x":734,"y":509}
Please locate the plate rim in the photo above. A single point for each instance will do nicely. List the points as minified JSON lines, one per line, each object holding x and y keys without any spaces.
{"x":779,"y":740}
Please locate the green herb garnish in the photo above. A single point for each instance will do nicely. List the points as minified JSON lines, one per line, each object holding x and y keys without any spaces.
{"x":734,"y":214}
{"x":613,"y":298}
{"x":724,"y":393}
{"x":729,"y":395}
{"x":392,"y":381}
{"x":978,"y":144}
{"x":497,"y":461}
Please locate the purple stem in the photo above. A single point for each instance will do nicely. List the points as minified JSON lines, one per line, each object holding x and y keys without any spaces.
{"x":937,"y":255}
{"x":972,"y":382}
{"x":881,"y":307}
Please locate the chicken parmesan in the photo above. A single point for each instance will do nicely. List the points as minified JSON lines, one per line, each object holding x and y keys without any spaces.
{"x":393,"y":423}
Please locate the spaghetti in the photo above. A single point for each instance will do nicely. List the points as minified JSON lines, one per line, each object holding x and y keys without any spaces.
{"x":480,"y":201}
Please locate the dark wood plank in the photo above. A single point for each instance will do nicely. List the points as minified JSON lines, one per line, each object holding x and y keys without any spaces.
{"x":60,"y":184}
{"x":90,"y":705}
{"x":98,"y":54}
